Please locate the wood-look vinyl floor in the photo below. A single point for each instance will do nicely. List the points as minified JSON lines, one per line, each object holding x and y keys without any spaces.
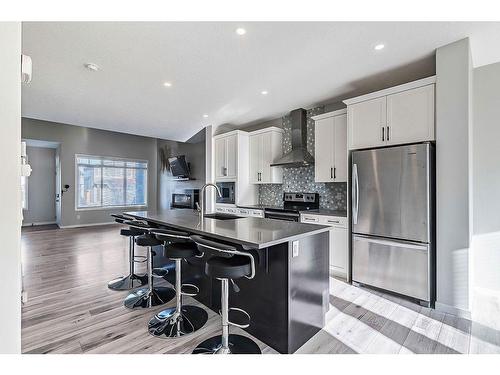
{"x":71,"y":310}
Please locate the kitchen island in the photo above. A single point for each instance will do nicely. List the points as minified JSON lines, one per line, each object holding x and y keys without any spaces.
{"x":288,"y":298}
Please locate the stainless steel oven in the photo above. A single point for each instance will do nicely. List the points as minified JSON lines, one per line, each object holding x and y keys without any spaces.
{"x":228,"y":193}
{"x":281,"y":215}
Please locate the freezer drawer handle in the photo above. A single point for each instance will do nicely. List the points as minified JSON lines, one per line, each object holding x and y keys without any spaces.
{"x":408,"y":245}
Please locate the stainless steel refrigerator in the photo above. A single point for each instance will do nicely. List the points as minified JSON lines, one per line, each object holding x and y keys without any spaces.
{"x":393,"y":212}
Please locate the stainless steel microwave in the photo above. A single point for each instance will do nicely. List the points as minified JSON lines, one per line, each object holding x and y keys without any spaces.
{"x":227,"y":190}
{"x":188,"y":199}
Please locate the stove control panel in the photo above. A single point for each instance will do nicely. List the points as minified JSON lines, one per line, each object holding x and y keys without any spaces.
{"x":301,"y":197}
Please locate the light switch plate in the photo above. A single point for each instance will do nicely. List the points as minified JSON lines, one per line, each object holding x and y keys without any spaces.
{"x":295,"y":249}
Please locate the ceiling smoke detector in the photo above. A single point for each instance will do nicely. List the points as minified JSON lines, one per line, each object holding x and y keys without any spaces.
{"x":91,"y":66}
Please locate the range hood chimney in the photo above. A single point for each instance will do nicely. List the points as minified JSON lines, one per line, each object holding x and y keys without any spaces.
{"x":298,"y":156}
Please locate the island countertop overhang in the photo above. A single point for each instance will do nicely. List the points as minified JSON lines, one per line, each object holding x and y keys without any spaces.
{"x":250,"y":232}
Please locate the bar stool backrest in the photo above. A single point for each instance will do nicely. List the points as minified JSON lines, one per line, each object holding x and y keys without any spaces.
{"x":226,"y":249}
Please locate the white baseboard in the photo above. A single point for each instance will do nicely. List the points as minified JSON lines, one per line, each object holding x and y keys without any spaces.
{"x":453,"y":310}
{"x":87,"y":225}
{"x":38,"y":223}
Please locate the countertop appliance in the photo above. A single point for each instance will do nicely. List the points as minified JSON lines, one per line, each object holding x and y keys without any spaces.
{"x":188,"y":199}
{"x":228,"y":193}
{"x":293,"y":204}
{"x":393,"y":220}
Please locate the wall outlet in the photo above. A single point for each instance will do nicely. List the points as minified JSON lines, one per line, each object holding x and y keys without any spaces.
{"x":77,"y":217}
{"x":295,"y":249}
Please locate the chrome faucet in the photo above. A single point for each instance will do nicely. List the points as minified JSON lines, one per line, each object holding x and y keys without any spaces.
{"x":202,"y":200}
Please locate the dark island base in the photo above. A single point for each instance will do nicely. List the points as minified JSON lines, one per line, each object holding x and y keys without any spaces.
{"x":288,"y":298}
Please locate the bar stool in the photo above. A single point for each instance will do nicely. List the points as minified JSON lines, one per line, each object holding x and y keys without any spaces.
{"x":182,"y":319}
{"x":232,"y":264}
{"x":132,"y":280}
{"x":151,"y":295}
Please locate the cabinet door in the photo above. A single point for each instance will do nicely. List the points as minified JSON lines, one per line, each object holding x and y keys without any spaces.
{"x":324,"y":154}
{"x":410,"y":115}
{"x":267,"y":158}
{"x":220,"y":157}
{"x":255,"y":157}
{"x":338,"y":250}
{"x":231,"y":156}
{"x":367,"y":121}
{"x":340,"y":149}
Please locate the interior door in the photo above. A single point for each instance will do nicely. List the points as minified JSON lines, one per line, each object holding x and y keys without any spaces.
{"x":324,"y":142}
{"x":410,"y":115}
{"x":367,"y":122}
{"x":391,"y":192}
{"x":340,"y":148}
{"x":255,"y":157}
{"x":231,"y":156}
{"x":220,"y":157}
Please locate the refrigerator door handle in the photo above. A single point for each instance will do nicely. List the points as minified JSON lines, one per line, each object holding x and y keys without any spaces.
{"x":355,"y":193}
{"x":406,"y":244}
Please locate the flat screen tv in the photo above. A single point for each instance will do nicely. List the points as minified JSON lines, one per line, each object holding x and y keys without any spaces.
{"x":179,"y":167}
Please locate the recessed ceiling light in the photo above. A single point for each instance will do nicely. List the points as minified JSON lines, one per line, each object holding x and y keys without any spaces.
{"x":378,"y":47}
{"x":264,"y":92}
{"x":241,"y":31}
{"x":91,"y":66}
{"x":167,"y":84}
{"x":205,"y":115}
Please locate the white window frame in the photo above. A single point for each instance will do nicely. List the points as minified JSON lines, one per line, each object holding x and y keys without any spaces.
{"x":104,"y":208}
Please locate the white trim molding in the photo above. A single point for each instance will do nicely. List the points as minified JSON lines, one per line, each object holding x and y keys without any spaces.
{"x":453,"y":310}
{"x":38,"y":223}
{"x":87,"y":225}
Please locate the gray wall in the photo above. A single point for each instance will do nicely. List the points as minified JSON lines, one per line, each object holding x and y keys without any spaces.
{"x":486,"y":187}
{"x":195,"y":156}
{"x":10,"y":230}
{"x":453,"y":148}
{"x":41,"y":186}
{"x":486,"y":149}
{"x":80,"y":140}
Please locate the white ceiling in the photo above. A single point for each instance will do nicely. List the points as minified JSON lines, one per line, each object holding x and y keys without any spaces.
{"x":216,"y":72}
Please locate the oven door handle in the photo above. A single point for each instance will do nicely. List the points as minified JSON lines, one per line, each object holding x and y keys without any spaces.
{"x":281,"y":213}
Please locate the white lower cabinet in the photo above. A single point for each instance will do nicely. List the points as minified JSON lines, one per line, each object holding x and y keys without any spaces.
{"x":339,"y":259}
{"x":238,"y":211}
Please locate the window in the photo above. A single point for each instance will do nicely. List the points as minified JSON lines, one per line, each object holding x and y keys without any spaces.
{"x":110,"y":182}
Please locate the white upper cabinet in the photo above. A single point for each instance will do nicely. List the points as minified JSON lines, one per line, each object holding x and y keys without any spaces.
{"x":265,"y":148}
{"x":330,"y":154}
{"x":398,"y":115}
{"x":226,"y":154}
{"x":367,"y":121}
{"x":410,"y":115}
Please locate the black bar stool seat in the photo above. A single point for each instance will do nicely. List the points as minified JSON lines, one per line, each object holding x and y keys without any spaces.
{"x":132,"y":280}
{"x":147,"y":240}
{"x":228,"y":268}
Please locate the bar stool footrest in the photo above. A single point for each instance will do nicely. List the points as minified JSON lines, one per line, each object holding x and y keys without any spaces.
{"x":239,"y":313}
{"x":160,"y":272}
{"x":140,"y":259}
{"x":185,"y":290}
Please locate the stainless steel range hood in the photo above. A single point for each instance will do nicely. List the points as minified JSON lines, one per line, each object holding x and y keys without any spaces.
{"x":298,"y":156}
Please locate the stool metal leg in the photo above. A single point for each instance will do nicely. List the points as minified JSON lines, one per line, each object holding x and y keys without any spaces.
{"x":226,"y":343}
{"x":179,"y":320}
{"x":131,"y":281}
{"x":149,"y":296}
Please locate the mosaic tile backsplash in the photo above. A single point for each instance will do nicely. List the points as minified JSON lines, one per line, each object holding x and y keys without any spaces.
{"x":333,"y":195}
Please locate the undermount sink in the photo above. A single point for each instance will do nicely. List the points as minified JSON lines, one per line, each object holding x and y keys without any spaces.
{"x":221,"y":216}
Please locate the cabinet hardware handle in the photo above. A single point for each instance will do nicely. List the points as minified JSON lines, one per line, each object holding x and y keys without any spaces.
{"x":387,"y":132}
{"x":334,"y":172}
{"x":383,"y":133}
{"x":331,"y":172}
